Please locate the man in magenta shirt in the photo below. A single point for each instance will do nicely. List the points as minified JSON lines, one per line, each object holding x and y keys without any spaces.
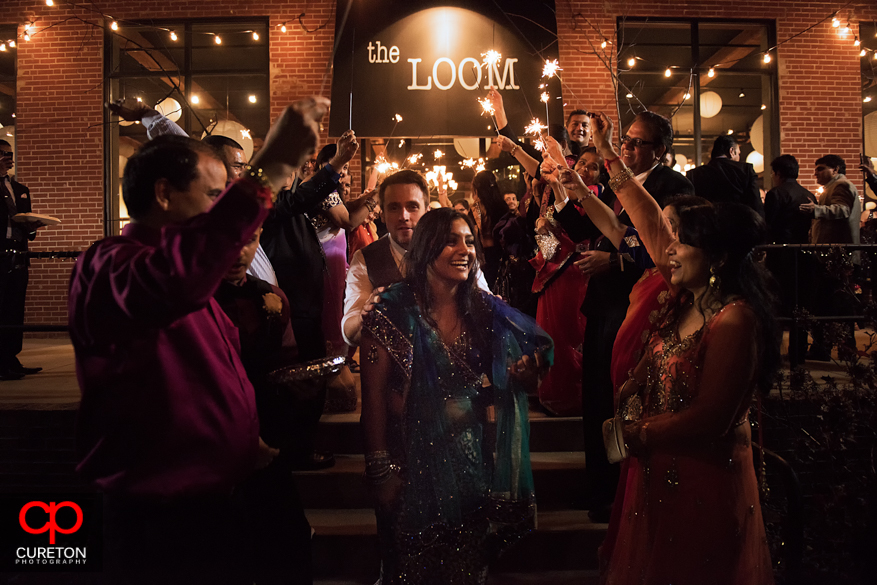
{"x":167,"y":424}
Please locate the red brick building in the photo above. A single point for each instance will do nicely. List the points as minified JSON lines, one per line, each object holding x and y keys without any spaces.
{"x":60,"y":88}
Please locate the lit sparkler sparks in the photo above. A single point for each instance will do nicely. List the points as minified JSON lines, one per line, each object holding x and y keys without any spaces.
{"x":491,"y":57}
{"x":401,"y":142}
{"x":468,"y":163}
{"x":480,"y":168}
{"x":550,"y":69}
{"x":535,"y":128}
{"x":398,"y":118}
{"x":544,"y":97}
{"x":487,"y":105}
{"x":539,"y":144}
{"x":438,"y":154}
{"x":414,"y":158}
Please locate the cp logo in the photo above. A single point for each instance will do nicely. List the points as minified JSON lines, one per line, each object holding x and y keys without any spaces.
{"x":51,"y":525}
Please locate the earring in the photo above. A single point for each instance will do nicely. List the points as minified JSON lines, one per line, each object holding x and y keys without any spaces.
{"x":715,"y":281}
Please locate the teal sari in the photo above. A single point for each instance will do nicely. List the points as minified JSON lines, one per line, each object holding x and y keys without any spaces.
{"x":462,"y":441}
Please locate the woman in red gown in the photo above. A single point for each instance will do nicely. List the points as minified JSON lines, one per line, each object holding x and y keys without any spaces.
{"x":690,"y":512}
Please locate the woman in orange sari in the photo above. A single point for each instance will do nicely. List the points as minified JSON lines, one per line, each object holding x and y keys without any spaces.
{"x":690,"y":512}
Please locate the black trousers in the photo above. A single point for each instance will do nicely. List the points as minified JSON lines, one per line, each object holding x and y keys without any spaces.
{"x":13,"y":290}
{"x":598,"y":402}
{"x":184,"y":541}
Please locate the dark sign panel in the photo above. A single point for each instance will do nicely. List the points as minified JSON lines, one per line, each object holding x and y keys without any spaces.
{"x":426,"y":63}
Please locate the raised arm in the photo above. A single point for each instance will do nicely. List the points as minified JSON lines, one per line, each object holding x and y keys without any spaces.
{"x":644,"y":211}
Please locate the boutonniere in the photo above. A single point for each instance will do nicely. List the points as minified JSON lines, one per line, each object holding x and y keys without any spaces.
{"x":272,"y":304}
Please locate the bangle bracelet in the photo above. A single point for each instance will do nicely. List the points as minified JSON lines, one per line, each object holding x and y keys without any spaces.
{"x":620,"y":179}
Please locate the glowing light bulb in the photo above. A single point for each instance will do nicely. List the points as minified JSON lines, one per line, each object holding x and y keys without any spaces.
{"x":218,"y":39}
{"x":687,"y":96}
{"x":398,"y":118}
{"x":631,"y":62}
{"x":11,"y":44}
{"x":857,"y":42}
{"x":114,"y":25}
{"x":252,"y":99}
{"x":282,"y":28}
{"x":862,"y":53}
{"x":173,"y":36}
{"x":139,"y":99}
{"x":835,"y":22}
{"x":867,"y":99}
{"x":3,"y":47}
{"x":767,"y":57}
{"x":195,"y":99}
{"x":255,"y":36}
{"x":668,"y":73}
{"x":50,"y":3}
{"x":730,"y":131}
{"x":629,"y":96}
{"x":763,"y":107}
{"x":711,"y":72}
{"x":742,"y":94}
{"x":603,"y":45}
{"x":26,"y":37}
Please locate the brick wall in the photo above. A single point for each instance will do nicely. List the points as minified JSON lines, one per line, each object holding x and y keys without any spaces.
{"x":59,"y":139}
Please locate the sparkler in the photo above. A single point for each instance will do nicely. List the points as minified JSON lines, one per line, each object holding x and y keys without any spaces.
{"x":550,"y":69}
{"x":491,"y":57}
{"x":544,"y":97}
{"x":487,"y":106}
{"x":414,"y":158}
{"x":438,"y":154}
{"x":468,"y":163}
{"x":535,"y":128}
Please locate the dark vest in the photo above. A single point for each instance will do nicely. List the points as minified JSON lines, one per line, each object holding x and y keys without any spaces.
{"x":379,"y":262}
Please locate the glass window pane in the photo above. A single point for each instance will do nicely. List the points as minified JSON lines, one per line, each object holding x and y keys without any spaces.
{"x":240,"y":98}
{"x":7,"y":80}
{"x":149,"y":49}
{"x":238,"y":50}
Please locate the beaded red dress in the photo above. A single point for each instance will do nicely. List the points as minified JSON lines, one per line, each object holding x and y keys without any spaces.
{"x":691,"y":512}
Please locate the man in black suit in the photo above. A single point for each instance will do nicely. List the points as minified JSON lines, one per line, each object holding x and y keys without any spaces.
{"x":725,"y":178}
{"x":787,"y":225}
{"x":13,"y":268}
{"x":642,"y":149}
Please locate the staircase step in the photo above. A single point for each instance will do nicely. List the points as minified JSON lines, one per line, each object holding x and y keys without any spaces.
{"x":341,"y":433}
{"x":565,"y":542}
{"x":558,"y":479}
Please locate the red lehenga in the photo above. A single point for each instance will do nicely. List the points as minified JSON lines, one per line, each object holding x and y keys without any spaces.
{"x":691,"y":512}
{"x":561,"y":288}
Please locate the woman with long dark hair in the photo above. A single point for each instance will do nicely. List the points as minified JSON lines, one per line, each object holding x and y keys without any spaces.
{"x":450,"y":490}
{"x":691,"y":507}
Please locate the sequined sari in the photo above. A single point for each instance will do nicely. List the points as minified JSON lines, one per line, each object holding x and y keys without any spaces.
{"x":691,"y":512}
{"x":458,"y":428}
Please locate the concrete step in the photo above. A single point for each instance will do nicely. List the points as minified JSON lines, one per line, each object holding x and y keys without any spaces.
{"x":565,"y":542}
{"x":558,"y":478}
{"x":341,"y":433}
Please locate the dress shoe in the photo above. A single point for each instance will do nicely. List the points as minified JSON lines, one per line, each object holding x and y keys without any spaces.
{"x":9,"y":375}
{"x":25,"y":371}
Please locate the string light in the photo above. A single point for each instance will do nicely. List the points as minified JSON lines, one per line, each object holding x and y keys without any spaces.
{"x":629,"y":95}
{"x":603,"y":45}
{"x":50,"y":3}
{"x":856,"y":43}
{"x":12,"y":44}
{"x":252,"y":99}
{"x":668,"y":73}
{"x":255,"y":36}
{"x":26,"y":36}
{"x":195,"y":99}
{"x":3,"y":47}
{"x":835,"y":22}
{"x":862,"y":53}
{"x":218,"y":39}
{"x":283,"y":27}
{"x":711,"y":72}
{"x":730,"y":132}
{"x":631,"y":62}
{"x":742,"y":94}
{"x":763,"y":107}
{"x":867,"y":99}
{"x":173,"y":36}
{"x":114,"y":25}
{"x":687,"y":96}
{"x":767,"y":57}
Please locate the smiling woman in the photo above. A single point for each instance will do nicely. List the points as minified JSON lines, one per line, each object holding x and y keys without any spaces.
{"x":451,"y":491}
